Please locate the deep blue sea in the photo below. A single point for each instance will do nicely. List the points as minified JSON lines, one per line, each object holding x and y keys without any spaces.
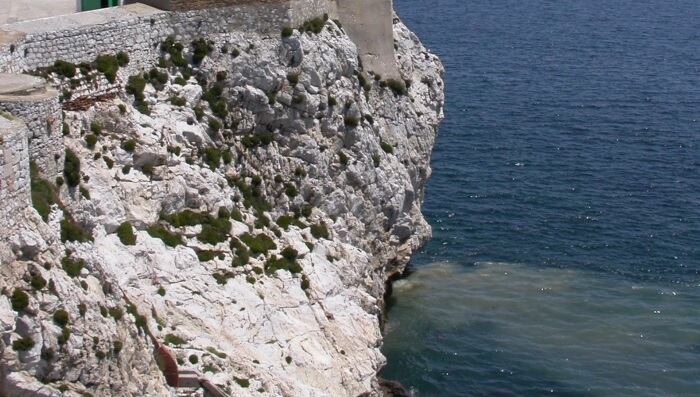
{"x":565,"y":203}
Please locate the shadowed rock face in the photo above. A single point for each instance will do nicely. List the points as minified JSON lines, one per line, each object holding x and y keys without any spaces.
{"x":304,"y":178}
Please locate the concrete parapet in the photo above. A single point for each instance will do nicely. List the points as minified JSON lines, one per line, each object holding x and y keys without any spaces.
{"x":369,"y":23}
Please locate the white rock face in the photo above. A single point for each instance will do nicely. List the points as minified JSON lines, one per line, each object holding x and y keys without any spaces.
{"x":331,"y":172}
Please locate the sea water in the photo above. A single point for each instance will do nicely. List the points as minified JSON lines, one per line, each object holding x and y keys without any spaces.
{"x":565,"y":203}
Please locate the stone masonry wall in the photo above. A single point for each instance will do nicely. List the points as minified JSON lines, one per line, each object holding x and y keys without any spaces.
{"x":14,"y":172}
{"x":138,"y":29}
{"x":42,"y":116}
{"x":135,"y":34}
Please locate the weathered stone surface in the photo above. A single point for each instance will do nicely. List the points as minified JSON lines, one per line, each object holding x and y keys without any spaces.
{"x":350,"y":161}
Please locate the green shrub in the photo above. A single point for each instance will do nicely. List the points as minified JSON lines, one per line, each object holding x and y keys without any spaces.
{"x":332,"y":101}
{"x":122,"y":58}
{"x":126,"y":169}
{"x":84,"y":192}
{"x":108,"y":161}
{"x":71,"y":231}
{"x":306,"y":210}
{"x":117,"y":347}
{"x":38,"y":282}
{"x":129,"y":145}
{"x":314,"y":25}
{"x":194,"y":359}
{"x":43,"y":192}
{"x":63,"y":68}
{"x":215,"y":233}
{"x":275,"y":263}
{"x":258,"y":244}
{"x":126,"y":235}
{"x":187,"y":218}
{"x":71,"y":170}
{"x":287,"y":31}
{"x":22,"y":344}
{"x":397,"y":86}
{"x":201,"y":48}
{"x":143,"y":108}
{"x":178,"y":101}
{"x":135,"y":86}
{"x":170,"y":239}
{"x":290,"y":253}
{"x":61,"y":318}
{"x":161,"y":291}
{"x":285,"y":221}
{"x":207,"y":255}
{"x":343,"y":158}
{"x":258,"y":139}
{"x":214,"y":124}
{"x":291,"y":191}
{"x":351,"y":121}
{"x":305,"y":282}
{"x":96,"y":128}
{"x":19,"y":300}
{"x":376,"y":160}
{"x":116,"y":313}
{"x":386,"y":147}
{"x":71,"y":266}
{"x":222,"y":277}
{"x":244,"y":383}
{"x":198,"y":112}
{"x":107,"y":65}
{"x":363,"y":81}
{"x":293,"y":78}
{"x":180,"y":81}
{"x":173,"y":340}
{"x":242,"y":255}
{"x":219,"y":108}
{"x":212,"y":156}
{"x":64,"y":336}
{"x":320,"y":230}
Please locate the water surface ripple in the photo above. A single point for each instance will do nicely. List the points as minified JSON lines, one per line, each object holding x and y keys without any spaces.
{"x":565,"y":202}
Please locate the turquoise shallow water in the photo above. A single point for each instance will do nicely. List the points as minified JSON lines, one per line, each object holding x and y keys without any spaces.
{"x":565,"y":202}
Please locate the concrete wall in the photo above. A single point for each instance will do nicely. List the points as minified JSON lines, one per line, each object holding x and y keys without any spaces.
{"x":15,"y":193}
{"x":369,"y":23}
{"x":22,"y":10}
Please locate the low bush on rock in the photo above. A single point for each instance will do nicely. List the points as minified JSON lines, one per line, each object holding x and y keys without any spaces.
{"x":126,"y":235}
{"x":168,"y":238}
{"x":19,"y":300}
{"x":22,"y":344}
{"x":258,"y":244}
{"x":72,"y":231}
{"x":71,"y":170}
{"x":71,"y":266}
{"x":61,"y":318}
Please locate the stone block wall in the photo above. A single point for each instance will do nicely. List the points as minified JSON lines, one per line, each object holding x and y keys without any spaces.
{"x":15,"y":193}
{"x":82,"y":37}
{"x":42,"y":115}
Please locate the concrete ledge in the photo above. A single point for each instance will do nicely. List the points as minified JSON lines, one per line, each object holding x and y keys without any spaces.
{"x":73,"y":21}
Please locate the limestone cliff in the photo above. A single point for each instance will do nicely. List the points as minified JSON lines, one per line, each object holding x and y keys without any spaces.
{"x":271,"y":190}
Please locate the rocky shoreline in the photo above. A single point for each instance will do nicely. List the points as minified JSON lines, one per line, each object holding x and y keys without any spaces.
{"x":246,"y":210}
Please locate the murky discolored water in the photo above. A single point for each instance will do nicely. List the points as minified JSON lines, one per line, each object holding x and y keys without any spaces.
{"x":565,"y":202}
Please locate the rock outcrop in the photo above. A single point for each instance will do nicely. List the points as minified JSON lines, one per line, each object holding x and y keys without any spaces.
{"x":245,"y":211}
